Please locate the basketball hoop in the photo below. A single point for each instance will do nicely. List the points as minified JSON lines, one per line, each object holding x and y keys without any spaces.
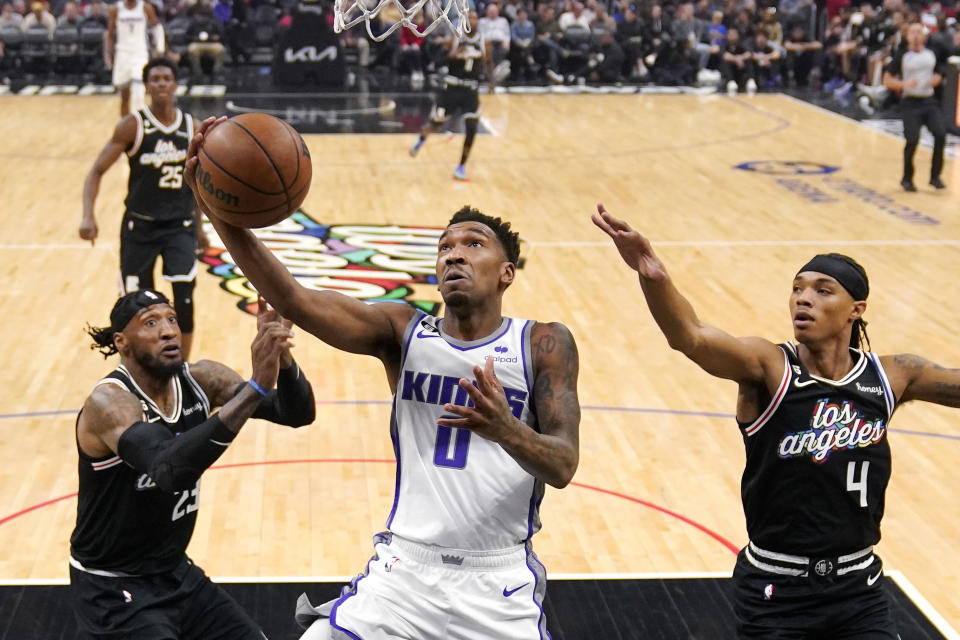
{"x":452,"y":13}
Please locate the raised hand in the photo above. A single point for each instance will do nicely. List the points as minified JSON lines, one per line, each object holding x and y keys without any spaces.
{"x":490,"y":416}
{"x":274,"y":339}
{"x":190,"y":168}
{"x":267,"y":314}
{"x":635,"y":250}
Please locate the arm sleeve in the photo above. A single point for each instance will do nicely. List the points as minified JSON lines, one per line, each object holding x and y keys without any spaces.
{"x":159,"y":38}
{"x":291,"y":403}
{"x":174,"y":462}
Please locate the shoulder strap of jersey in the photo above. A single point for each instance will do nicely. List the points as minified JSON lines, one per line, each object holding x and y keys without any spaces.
{"x":888,"y":395}
{"x":138,"y":140}
{"x":194,"y":386}
{"x":778,"y":396}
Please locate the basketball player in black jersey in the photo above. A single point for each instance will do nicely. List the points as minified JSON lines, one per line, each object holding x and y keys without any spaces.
{"x":461,"y":92}
{"x":160,"y":218}
{"x":144,"y":436}
{"x":814,"y":416}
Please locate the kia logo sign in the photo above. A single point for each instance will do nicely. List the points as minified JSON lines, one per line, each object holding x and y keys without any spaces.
{"x":309,"y":54}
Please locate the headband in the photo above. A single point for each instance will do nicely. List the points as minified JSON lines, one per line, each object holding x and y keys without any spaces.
{"x":130,"y":305}
{"x":841,"y":269}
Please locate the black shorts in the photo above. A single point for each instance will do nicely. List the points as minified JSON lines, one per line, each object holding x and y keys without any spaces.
{"x":142,"y":241}
{"x":456,"y":100}
{"x":181,"y":605}
{"x":771,"y":606}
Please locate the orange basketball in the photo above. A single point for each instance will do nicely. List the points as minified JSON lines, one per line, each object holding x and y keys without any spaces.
{"x":253,"y":170}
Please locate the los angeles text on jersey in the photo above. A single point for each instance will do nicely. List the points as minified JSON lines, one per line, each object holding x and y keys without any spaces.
{"x":832,"y":427}
{"x":434,"y":388}
{"x":165,"y":152}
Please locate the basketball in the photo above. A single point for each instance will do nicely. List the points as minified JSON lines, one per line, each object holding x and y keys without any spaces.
{"x":253,"y":170}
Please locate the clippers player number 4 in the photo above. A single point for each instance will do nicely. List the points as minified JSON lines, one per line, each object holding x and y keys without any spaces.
{"x":813,"y":414}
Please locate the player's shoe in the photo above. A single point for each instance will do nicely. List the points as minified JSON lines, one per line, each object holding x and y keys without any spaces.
{"x":460,"y":173}
{"x":907,"y":185}
{"x":937,"y":183}
{"x":416,"y":147}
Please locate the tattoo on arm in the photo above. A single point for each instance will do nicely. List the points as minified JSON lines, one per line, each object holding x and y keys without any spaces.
{"x":218,"y":381}
{"x":928,"y":381}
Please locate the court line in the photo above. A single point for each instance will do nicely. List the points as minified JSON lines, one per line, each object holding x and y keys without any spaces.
{"x":604,"y":243}
{"x":586,"y":407}
{"x":753,"y":243}
{"x":903,"y":583}
{"x":650,"y":505}
{"x":923,"y":604}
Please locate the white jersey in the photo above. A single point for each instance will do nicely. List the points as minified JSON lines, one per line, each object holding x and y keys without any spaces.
{"x":131,"y":29}
{"x":454,"y":488}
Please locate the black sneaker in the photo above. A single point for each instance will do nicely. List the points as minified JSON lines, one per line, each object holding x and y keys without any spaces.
{"x":937,"y":183}
{"x":907,"y":185}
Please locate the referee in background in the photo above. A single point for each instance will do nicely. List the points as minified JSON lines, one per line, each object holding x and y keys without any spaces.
{"x":914,"y":72}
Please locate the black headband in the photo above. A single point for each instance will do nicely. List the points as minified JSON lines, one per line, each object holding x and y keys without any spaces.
{"x":841,"y":269}
{"x":130,"y":305}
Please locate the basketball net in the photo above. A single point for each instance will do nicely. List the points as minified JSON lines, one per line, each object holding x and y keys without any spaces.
{"x":452,"y":13}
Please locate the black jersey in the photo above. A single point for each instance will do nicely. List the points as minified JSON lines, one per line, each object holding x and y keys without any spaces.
{"x":466,"y":63}
{"x":125,"y":524}
{"x":818,"y":460}
{"x":155,"y":189}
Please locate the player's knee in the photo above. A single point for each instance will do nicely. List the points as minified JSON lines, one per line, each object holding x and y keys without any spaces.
{"x":183,"y":305}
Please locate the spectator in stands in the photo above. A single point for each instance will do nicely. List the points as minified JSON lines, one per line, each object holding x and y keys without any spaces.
{"x":796,"y":13}
{"x":630,"y":37}
{"x":9,"y":19}
{"x":522,"y":35}
{"x":575,"y":16}
{"x":70,"y":16}
{"x":606,"y":64}
{"x":95,"y":13}
{"x":39,"y":16}
{"x":206,"y":41}
{"x":716,"y":31}
{"x":495,"y":31}
{"x":803,"y":55}
{"x":773,"y":28}
{"x":842,"y":59}
{"x":656,"y":31}
{"x":547,"y":50}
{"x":688,"y":30}
{"x":766,"y":62}
{"x":411,"y":52}
{"x":744,"y":24}
{"x":602,"y":22}
{"x":736,"y":68}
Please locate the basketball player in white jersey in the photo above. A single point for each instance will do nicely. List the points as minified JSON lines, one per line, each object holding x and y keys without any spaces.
{"x":126,"y":49}
{"x":485,"y":413}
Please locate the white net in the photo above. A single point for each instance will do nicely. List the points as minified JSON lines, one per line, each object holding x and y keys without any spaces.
{"x":421,"y":16}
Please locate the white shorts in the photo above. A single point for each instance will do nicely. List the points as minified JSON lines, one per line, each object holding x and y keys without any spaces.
{"x":420,"y":592}
{"x":127,"y":68}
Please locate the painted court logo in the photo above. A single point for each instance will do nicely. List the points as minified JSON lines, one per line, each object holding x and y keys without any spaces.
{"x":370,"y":262}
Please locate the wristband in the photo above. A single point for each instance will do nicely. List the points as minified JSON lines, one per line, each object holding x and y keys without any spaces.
{"x":257,"y":387}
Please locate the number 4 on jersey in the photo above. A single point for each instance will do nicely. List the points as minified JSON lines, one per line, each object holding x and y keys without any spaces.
{"x":859,"y":485}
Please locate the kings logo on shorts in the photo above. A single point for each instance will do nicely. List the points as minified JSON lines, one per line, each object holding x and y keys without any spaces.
{"x":369,"y":262}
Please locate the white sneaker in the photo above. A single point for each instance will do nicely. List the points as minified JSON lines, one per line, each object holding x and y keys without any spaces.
{"x":751,"y":86}
{"x":864,"y":102}
{"x":731,"y":87}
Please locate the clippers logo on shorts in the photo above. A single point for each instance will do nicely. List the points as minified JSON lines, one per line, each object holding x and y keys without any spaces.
{"x":832,"y":427}
{"x":369,"y":262}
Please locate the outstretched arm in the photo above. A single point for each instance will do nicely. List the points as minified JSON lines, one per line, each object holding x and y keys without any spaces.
{"x":714,"y":350}
{"x":552,"y":455}
{"x":340,"y":321}
{"x":123,"y":136}
{"x":916,"y":378}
